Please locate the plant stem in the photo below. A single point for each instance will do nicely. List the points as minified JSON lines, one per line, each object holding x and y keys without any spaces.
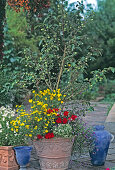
{"x":61,"y":68}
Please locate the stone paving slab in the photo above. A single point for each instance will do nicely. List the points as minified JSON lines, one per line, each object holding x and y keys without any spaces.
{"x":98,"y":116}
{"x":110,"y":121}
{"x":111,"y":116}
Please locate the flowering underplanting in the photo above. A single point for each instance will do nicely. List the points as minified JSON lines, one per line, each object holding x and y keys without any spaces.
{"x":8,"y":137}
{"x":47,"y":118}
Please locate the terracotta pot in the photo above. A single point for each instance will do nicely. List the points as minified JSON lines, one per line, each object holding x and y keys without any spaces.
{"x":54,"y":154}
{"x":7,"y":158}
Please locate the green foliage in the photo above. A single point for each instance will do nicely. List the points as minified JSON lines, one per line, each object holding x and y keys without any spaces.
{"x":63,"y":130}
{"x":102,"y":30}
{"x":20,"y":31}
{"x":15,"y":42}
{"x":109,"y":89}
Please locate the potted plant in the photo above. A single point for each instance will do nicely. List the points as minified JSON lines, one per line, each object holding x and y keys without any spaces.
{"x":7,"y":156}
{"x":8,"y":139}
{"x":53,"y":129}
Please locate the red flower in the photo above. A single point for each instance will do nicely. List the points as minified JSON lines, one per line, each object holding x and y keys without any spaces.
{"x":64,"y":120}
{"x":73,"y":117}
{"x":49,"y":135}
{"x":58,"y":120}
{"x":56,"y":110}
{"x":58,"y":115}
{"x":39,"y":137}
{"x":66,"y":113}
{"x":107,"y":169}
{"x":49,"y":110}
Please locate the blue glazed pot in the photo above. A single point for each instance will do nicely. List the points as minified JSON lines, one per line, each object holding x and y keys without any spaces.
{"x":23,"y":155}
{"x":102,"y":140}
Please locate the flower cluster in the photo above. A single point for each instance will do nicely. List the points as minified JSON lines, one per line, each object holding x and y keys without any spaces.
{"x":45,"y":114}
{"x":5,"y":116}
{"x":6,"y":136}
{"x":28,"y":5}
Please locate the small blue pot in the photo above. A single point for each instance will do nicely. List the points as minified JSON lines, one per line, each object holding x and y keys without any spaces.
{"x":102,"y":140}
{"x":23,"y":155}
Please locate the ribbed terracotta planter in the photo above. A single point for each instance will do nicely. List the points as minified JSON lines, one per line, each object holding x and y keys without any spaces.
{"x":54,"y":154}
{"x":7,"y":158}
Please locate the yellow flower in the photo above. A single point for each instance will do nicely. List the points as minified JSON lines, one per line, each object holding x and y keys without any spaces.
{"x":35,"y":127}
{"x":30,"y":135}
{"x":16,"y":127}
{"x":39,"y":113}
{"x":30,"y":100}
{"x":48,"y":114}
{"x":64,"y":95}
{"x":58,"y":90}
{"x":16,"y":130}
{"x":16,"y":105}
{"x":59,"y":95}
{"x":46,"y":98}
{"x":61,"y":101}
{"x":14,"y":124}
{"x":35,"y":118}
{"x":27,"y":126}
{"x":45,"y":105}
{"x":46,"y":131}
{"x":22,"y":124}
{"x":38,"y":120}
{"x":18,"y":122}
{"x":33,"y":91}
{"x":51,"y":97}
{"x":12,"y":129}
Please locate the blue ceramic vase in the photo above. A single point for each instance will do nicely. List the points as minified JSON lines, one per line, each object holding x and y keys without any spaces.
{"x":23,"y":155}
{"x":102,"y":140}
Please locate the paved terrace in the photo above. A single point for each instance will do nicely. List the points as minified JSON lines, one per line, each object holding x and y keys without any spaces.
{"x":98,"y":116}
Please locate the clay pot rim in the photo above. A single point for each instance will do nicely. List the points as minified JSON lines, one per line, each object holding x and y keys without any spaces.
{"x":55,"y":139}
{"x":6,"y":147}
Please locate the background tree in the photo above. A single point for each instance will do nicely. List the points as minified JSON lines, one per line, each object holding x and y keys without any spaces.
{"x":102,"y":32}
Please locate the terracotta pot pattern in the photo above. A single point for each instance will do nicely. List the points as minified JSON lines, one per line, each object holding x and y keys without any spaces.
{"x":54,"y":153}
{"x":7,"y":158}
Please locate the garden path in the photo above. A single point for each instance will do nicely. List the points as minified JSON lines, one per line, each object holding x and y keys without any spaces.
{"x":98,"y":116}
